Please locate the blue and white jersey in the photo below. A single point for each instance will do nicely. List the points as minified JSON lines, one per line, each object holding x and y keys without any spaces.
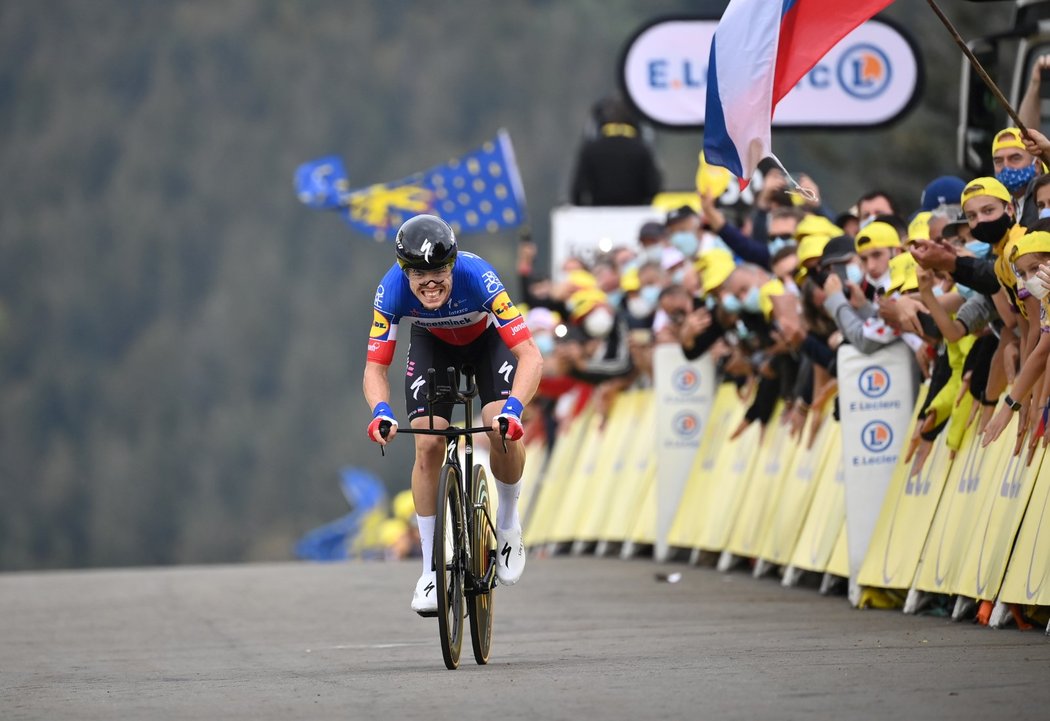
{"x":478,"y":299}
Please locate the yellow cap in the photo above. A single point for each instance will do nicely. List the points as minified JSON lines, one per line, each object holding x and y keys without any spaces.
{"x":1007,"y":138}
{"x":877,"y":235}
{"x":816,"y":225}
{"x":391,"y":530}
{"x":985,"y":186}
{"x":584,"y":301}
{"x":903,"y":277}
{"x":714,"y":267}
{"x":403,"y":506}
{"x":1035,"y":242}
{"x":812,"y":246}
{"x":712,"y":180}
{"x":919,"y":227}
{"x":629,"y":280}
{"x":582,"y":279}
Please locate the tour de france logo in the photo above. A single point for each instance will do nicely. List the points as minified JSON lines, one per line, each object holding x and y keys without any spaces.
{"x":877,"y":436}
{"x":685,"y":379}
{"x":864,"y":71}
{"x":686,"y":425}
{"x":874,"y":381}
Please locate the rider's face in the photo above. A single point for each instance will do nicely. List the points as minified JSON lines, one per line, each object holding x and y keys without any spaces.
{"x":431,"y":287}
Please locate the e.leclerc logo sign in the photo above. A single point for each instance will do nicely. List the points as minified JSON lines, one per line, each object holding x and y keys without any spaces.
{"x":870,"y":78}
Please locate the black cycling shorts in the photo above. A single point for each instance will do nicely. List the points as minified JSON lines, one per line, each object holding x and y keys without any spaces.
{"x":493,"y":363}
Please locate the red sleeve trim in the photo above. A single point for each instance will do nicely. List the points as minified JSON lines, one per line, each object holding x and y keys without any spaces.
{"x":514,"y":333}
{"x":381,"y":351}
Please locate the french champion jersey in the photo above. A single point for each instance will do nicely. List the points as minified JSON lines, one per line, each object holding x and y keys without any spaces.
{"x":478,"y":299}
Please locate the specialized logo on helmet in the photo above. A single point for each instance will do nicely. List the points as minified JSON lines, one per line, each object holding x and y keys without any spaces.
{"x":504,"y":307}
{"x":864,"y":71}
{"x":874,"y":381}
{"x":876,"y":436}
{"x":380,"y":326}
{"x":427,"y":247}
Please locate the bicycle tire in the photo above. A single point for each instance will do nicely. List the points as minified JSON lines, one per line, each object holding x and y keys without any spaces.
{"x":448,"y":562}
{"x":482,"y":540}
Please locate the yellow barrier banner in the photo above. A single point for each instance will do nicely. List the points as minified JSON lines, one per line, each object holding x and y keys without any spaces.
{"x":564,"y":526}
{"x":905,"y":521}
{"x":906,"y":516}
{"x":726,"y":408}
{"x":838,"y":562}
{"x":622,"y":429}
{"x":556,"y":479}
{"x":631,"y":483}
{"x":531,"y":477}
{"x":1004,"y":501}
{"x":644,"y":530}
{"x":956,"y":515}
{"x":726,"y":484}
{"x":1027,"y":579}
{"x":763,"y":488}
{"x":826,"y":518}
{"x":796,"y":493}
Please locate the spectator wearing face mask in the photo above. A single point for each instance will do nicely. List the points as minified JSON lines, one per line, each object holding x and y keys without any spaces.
{"x":1016,"y":168}
{"x":640,"y":294}
{"x":597,"y":343}
{"x":1030,"y":255}
{"x":652,"y":237}
{"x":876,"y":244}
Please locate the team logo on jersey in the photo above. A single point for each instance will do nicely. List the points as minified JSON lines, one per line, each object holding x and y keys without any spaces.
{"x":380,"y":325}
{"x":504,"y":307}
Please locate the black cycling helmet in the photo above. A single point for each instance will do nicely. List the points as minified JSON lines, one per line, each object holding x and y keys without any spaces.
{"x":425,"y":242}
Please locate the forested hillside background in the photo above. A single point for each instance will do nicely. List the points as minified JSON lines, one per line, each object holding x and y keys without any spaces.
{"x":181,"y":342}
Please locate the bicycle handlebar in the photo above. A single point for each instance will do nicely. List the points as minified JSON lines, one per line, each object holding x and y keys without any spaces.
{"x":384,"y":431}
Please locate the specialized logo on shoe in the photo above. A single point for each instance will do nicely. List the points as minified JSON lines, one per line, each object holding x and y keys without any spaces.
{"x":506,"y":554}
{"x":428,"y":588}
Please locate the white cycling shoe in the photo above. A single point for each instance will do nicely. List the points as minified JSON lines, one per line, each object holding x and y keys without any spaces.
{"x":425,"y":599}
{"x":510,"y":555}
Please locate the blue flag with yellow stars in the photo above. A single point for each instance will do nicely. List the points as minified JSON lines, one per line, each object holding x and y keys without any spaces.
{"x":477,"y":192}
{"x":322,"y":183}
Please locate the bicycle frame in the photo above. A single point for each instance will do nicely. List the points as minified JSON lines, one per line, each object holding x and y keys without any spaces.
{"x":452,"y":393}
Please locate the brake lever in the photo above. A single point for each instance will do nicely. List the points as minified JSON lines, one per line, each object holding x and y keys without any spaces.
{"x":384,"y":431}
{"x":503,"y":426}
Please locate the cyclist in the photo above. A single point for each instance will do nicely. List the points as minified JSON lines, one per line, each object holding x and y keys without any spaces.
{"x":461,"y":315}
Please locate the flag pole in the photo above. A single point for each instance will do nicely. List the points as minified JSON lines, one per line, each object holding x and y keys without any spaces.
{"x":977,"y":66}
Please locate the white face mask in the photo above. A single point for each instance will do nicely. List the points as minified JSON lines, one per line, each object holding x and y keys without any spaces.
{"x":598,"y":323}
{"x":1036,"y":288}
{"x":639,"y":306}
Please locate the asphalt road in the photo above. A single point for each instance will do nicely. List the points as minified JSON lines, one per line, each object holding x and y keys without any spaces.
{"x":579,"y":638}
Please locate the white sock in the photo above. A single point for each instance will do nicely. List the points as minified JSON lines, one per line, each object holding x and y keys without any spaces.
{"x":426,"y":539}
{"x":507,"y":515}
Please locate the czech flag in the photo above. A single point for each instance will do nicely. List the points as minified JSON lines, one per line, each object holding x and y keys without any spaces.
{"x":761,"y":49}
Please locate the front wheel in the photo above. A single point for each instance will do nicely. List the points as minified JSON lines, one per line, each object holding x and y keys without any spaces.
{"x":448,"y":532}
{"x":483,"y":543}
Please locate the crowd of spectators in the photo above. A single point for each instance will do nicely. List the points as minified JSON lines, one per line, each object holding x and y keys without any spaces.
{"x":960,"y":275}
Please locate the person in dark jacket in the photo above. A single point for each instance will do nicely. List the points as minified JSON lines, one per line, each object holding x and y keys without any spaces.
{"x":616,"y":167}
